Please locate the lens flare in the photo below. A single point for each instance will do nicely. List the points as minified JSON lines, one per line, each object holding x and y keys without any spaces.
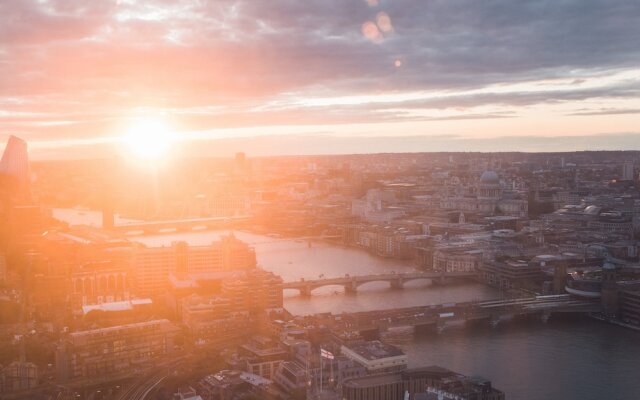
{"x":148,"y":138}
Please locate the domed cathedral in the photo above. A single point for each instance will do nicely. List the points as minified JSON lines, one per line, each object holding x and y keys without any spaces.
{"x":489,"y":186}
{"x":486,"y":198}
{"x":493,"y":200}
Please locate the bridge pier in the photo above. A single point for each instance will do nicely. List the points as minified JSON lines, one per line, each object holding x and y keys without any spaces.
{"x":351,"y":288}
{"x":370,"y":334}
{"x":397,"y":284}
{"x":440,"y":326}
{"x":473,"y":322}
{"x":425,"y":328}
{"x":305,"y":291}
{"x":544,"y":317}
{"x":439,"y":281}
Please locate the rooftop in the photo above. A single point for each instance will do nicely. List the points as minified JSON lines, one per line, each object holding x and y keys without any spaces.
{"x":433,"y":371}
{"x":375,"y":350}
{"x":113,"y":306}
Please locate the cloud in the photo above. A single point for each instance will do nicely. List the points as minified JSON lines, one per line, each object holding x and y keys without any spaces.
{"x":318,"y":142}
{"x":97,"y":62}
{"x":606,"y":111}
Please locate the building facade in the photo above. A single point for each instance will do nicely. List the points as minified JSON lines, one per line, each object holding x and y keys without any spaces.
{"x":117,"y":349}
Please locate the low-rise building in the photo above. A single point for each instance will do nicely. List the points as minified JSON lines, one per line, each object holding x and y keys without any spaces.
{"x":510,"y":273}
{"x":230,"y":384}
{"x":293,"y":378}
{"x":457,"y":259}
{"x":414,"y":382}
{"x":254,"y":290}
{"x":376,"y":356}
{"x":117,"y":349}
{"x":19,"y":376}
{"x":261,"y":356}
{"x":630,"y":306}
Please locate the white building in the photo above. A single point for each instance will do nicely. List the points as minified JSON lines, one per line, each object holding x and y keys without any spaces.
{"x":376,"y":356}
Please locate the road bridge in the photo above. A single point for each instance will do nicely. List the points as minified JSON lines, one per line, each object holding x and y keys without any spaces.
{"x":351,"y":283}
{"x":437,"y":316}
{"x":147,"y":227}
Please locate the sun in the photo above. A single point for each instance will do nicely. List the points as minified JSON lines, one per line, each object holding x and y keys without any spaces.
{"x":148,"y":138}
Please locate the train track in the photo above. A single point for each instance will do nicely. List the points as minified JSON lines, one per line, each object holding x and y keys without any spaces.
{"x":140,"y":389}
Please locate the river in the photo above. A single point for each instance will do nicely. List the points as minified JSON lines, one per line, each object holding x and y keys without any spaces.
{"x":562,"y":359}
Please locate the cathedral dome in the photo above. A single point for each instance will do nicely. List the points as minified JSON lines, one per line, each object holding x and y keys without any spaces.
{"x":489,"y":178}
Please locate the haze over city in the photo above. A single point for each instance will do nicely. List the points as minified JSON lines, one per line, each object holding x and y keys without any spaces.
{"x":290,"y":77}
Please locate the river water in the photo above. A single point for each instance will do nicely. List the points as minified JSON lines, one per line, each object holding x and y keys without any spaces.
{"x":562,"y":359}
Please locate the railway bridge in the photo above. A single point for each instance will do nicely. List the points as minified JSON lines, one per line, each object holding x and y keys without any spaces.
{"x":437,"y":316}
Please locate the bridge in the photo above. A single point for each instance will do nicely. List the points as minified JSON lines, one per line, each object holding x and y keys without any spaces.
{"x":351,"y":283}
{"x":147,"y":227}
{"x":370,"y":323}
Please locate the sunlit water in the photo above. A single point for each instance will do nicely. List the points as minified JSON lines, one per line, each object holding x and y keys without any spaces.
{"x":577,"y":359}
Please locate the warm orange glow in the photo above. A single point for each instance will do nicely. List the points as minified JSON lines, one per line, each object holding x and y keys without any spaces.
{"x":148,"y":138}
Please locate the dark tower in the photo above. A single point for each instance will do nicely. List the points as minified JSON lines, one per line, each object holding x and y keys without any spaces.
{"x":107,"y":203}
{"x":240,"y":165}
{"x":107,"y":214}
{"x":560,"y":278}
{"x":14,"y":171}
{"x":609,"y":290}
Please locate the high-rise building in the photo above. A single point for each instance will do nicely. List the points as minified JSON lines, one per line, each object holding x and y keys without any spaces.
{"x":240,"y":164}
{"x":3,"y":267}
{"x":14,"y":188}
{"x":627,"y":171}
{"x":14,"y":170}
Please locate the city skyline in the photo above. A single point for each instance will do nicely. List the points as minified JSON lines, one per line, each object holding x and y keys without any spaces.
{"x":321,"y":77}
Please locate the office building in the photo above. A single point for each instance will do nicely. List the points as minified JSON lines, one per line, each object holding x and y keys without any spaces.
{"x":100,"y":282}
{"x":375,"y":356}
{"x":114,"y":350}
{"x":233,"y":384}
{"x":252,"y":291}
{"x":14,"y":171}
{"x":627,"y":171}
{"x":19,"y":376}
{"x":261,"y":356}
{"x":153,"y":265}
{"x":413,"y":382}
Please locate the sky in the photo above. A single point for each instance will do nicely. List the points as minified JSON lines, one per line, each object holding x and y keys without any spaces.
{"x":322,"y":76}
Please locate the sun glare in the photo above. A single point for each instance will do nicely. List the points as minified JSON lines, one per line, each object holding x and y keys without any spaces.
{"x":148,"y":138}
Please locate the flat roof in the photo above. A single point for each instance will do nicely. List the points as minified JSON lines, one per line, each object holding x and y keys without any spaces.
{"x":386,"y":378}
{"x":375,"y":350}
{"x":115,"y":305}
{"x":117,"y":328}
